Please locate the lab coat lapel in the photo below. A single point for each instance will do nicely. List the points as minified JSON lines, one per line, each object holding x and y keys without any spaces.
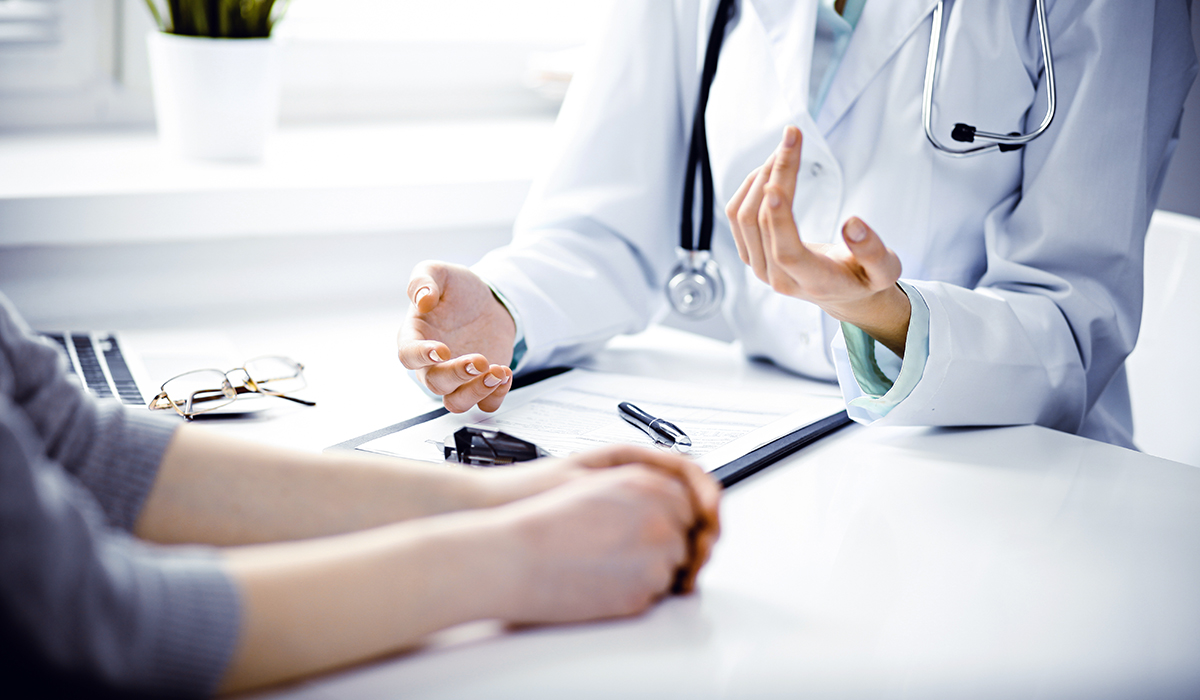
{"x":884,"y":27}
{"x":791,"y":26}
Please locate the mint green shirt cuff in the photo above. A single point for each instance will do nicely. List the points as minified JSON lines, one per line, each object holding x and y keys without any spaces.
{"x":869,"y":360}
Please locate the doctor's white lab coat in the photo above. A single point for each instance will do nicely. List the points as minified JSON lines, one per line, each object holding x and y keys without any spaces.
{"x":1030,"y":261}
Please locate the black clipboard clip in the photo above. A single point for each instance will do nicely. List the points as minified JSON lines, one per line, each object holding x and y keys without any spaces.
{"x":489,"y":448}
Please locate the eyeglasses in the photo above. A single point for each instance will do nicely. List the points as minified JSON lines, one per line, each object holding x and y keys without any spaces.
{"x":204,"y":390}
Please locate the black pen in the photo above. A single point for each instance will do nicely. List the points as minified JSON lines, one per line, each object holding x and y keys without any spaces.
{"x":662,"y":432}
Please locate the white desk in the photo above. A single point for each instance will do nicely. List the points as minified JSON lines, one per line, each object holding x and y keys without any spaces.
{"x":1007,"y":563}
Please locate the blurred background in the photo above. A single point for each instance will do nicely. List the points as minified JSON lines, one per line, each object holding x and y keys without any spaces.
{"x":408,"y":129}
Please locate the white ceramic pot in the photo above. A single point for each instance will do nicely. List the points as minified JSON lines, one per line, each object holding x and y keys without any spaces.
{"x":216,"y":99}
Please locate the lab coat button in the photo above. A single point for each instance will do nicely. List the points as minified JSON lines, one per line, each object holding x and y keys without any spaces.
{"x":816,"y":170}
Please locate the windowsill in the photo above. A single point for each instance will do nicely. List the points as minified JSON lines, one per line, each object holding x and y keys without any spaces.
{"x":115,"y":187}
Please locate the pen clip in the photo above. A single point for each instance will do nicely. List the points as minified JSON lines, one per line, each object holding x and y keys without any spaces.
{"x":660,"y":431}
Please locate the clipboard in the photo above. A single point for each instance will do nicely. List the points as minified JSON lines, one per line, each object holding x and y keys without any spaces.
{"x":727,"y":474}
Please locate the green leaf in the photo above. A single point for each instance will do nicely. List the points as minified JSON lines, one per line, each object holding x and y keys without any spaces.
{"x":219,"y":18}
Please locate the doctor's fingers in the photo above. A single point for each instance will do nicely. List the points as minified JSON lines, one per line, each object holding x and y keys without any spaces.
{"x":425,"y":285}
{"x":415,"y":352}
{"x":445,"y":377}
{"x":731,"y":213}
{"x":458,"y":396}
{"x":749,"y":221}
{"x":492,"y":401}
{"x":788,"y":260}
{"x":781,"y":238}
{"x":786,"y":165}
{"x":880,"y":264}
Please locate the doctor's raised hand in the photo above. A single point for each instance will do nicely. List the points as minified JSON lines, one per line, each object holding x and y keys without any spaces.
{"x":458,"y":337}
{"x":855,"y":284}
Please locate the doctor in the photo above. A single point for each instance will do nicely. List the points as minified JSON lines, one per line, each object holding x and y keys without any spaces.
{"x":1002,"y":288}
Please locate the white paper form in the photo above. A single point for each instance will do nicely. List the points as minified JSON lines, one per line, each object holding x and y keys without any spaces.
{"x":577,"y":411}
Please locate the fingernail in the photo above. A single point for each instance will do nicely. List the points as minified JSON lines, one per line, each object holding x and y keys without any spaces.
{"x":472,"y":369}
{"x":433,"y":355}
{"x":491,"y":380}
{"x":789,"y":137}
{"x":421,"y":294}
{"x":772,"y":200}
{"x":856,"y":231}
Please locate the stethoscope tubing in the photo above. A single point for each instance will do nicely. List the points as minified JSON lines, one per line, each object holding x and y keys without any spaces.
{"x":698,"y":147}
{"x":994,"y":140}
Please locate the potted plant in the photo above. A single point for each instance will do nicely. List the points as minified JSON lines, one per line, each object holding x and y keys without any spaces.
{"x":215,"y":73}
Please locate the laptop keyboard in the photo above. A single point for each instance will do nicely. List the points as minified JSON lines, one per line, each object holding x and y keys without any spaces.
{"x":122,"y":378}
{"x":96,"y":358}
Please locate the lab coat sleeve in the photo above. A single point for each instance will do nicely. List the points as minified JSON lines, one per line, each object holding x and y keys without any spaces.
{"x":1058,"y":309}
{"x":596,"y":237}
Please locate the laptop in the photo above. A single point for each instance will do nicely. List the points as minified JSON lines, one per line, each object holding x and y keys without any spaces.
{"x":131,"y":367}
{"x":98,"y":362}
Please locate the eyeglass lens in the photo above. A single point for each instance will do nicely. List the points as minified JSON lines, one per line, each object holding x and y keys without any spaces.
{"x":275,"y":375}
{"x":206,"y":390}
{"x":200,"y":391}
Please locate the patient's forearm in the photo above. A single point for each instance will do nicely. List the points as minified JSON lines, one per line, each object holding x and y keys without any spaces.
{"x":216,"y":490}
{"x":608,"y":544}
{"x":321,"y":604}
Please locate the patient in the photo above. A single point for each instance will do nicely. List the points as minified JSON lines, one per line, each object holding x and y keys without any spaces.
{"x":325,"y":561}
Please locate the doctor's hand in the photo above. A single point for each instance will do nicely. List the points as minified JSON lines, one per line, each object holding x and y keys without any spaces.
{"x":458,"y":337}
{"x":855,"y":284}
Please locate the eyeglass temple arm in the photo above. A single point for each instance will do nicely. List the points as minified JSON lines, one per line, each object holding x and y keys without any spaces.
{"x":293,"y":398}
{"x":247,"y":390}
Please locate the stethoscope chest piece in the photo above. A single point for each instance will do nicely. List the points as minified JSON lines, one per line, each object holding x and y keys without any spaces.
{"x":695,"y":288}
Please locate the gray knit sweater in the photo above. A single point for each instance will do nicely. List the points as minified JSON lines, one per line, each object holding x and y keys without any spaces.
{"x":74,"y":583}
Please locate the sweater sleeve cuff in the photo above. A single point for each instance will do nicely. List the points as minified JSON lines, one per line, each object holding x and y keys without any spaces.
{"x":196,"y":612}
{"x":122,"y":468}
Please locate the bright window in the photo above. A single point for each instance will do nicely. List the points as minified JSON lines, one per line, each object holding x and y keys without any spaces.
{"x":82,"y":62}
{"x":397,"y":58}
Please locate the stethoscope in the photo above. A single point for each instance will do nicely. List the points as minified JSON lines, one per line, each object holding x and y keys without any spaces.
{"x":965,"y":133}
{"x":695,"y":287}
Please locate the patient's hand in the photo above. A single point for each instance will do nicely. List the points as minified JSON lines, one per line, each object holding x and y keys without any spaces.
{"x":457,"y":337}
{"x":608,"y":544}
{"x":508,"y":484}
